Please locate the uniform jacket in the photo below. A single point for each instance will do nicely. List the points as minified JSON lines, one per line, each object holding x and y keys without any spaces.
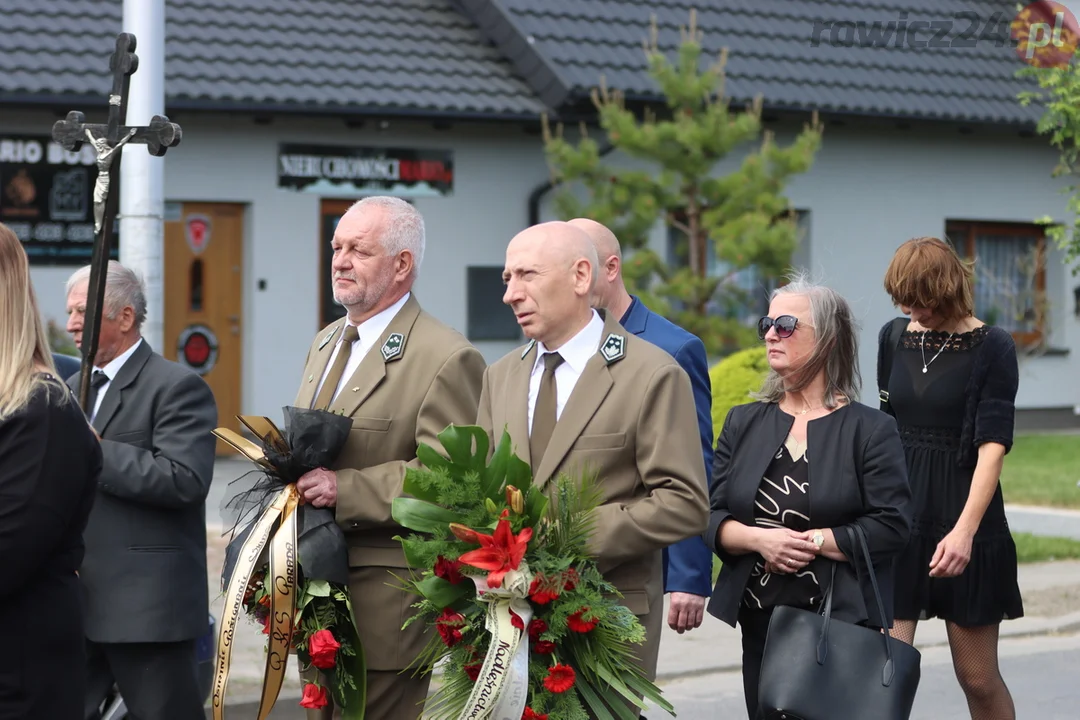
{"x":419,"y":377}
{"x":631,"y":420}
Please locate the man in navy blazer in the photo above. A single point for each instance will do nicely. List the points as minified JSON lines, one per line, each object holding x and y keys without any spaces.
{"x":687,"y":564}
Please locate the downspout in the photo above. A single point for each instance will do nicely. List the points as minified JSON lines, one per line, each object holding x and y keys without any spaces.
{"x":542,"y":189}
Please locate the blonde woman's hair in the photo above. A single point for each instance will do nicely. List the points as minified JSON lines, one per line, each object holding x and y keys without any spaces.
{"x":23,"y":343}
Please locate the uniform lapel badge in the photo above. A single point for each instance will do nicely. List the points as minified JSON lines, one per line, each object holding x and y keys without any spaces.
{"x":327,"y":338}
{"x":527,"y":349}
{"x":393,"y":346}
{"x":614,"y":347}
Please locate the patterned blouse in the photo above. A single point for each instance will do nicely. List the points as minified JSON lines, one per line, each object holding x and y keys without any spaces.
{"x":783,"y":501}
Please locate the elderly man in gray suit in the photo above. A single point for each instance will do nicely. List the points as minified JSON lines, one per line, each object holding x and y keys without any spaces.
{"x":145,"y":565}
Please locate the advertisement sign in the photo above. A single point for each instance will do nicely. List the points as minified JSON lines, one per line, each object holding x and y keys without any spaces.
{"x":46,"y":198}
{"x":352,"y":171}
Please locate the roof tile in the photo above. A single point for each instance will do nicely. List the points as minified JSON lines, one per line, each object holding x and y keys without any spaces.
{"x":311,"y":54}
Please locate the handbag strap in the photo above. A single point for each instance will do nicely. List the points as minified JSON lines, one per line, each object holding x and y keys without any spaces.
{"x":823,"y":636}
{"x":859,"y":538}
{"x":896,"y":331}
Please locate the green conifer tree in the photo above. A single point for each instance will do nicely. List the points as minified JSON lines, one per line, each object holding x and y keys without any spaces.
{"x":743,"y":214}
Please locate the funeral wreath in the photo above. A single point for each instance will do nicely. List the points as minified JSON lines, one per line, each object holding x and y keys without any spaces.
{"x":525,"y":624}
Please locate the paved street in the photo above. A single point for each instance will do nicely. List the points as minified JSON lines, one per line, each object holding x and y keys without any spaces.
{"x":1041,"y":673}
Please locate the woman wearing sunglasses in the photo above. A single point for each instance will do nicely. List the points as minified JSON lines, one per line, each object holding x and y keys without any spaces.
{"x":793,"y":469}
{"x":951,"y":386}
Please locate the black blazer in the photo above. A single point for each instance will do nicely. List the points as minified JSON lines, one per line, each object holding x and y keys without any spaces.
{"x":145,"y":567}
{"x":857,"y":475}
{"x":49,"y":465}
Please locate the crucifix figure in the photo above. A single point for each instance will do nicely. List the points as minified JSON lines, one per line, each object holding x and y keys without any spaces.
{"x":108,"y":140}
{"x":104,"y":163}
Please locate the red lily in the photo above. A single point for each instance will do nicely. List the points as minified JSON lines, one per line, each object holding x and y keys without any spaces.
{"x":499,"y":553}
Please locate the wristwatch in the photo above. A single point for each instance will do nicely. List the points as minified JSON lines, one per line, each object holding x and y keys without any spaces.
{"x":818,"y":538}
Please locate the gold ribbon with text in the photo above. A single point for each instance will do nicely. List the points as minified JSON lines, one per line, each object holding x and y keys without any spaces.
{"x":276,"y":527}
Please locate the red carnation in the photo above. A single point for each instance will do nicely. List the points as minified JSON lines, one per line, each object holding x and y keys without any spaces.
{"x":322,"y":647}
{"x":448,"y":624}
{"x":578,"y":624}
{"x":570,"y":579}
{"x":314,"y":697}
{"x":473,"y":670}
{"x":448,"y":570}
{"x":542,"y":591}
{"x":544,"y":647}
{"x":560,"y":678}
{"x":516,"y":620}
{"x":536,"y":628}
{"x":531,"y":714}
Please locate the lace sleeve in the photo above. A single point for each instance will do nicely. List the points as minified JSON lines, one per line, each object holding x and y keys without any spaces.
{"x":996,"y":410}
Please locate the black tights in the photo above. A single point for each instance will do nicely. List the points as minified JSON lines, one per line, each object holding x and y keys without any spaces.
{"x":975,"y":660}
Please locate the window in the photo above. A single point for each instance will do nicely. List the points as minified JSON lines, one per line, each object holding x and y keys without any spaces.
{"x":1010,"y":274}
{"x":747,"y":296}
{"x":488,"y":317}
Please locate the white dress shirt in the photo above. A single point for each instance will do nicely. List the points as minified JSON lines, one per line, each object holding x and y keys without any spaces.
{"x":576,"y":353}
{"x":111,"y":370}
{"x":369,"y":332}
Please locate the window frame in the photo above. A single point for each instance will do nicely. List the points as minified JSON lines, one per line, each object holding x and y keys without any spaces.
{"x":965,"y":231}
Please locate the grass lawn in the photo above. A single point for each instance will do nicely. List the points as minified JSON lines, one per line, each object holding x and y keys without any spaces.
{"x":1043,"y":470}
{"x":1036,"y":548}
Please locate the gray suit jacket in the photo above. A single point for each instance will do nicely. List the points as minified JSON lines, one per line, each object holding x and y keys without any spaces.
{"x":145,"y":566}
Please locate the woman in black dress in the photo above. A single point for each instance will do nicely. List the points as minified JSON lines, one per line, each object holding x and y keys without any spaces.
{"x":951,"y":387}
{"x":49,"y":464}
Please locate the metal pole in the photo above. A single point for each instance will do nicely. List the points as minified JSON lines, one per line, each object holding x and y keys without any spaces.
{"x":142,"y":176}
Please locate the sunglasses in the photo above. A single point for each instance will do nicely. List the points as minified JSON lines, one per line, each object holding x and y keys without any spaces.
{"x":785,"y":325}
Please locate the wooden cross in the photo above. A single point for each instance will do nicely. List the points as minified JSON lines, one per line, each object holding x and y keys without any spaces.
{"x":108,"y":140}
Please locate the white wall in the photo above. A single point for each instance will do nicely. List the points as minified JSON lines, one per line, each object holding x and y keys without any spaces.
{"x":872,"y":188}
{"x":226,"y":159}
{"x":869,"y":190}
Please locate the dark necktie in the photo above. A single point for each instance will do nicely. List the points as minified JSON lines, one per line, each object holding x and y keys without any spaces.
{"x":329,"y":386}
{"x":544,"y":414}
{"x":97,"y":379}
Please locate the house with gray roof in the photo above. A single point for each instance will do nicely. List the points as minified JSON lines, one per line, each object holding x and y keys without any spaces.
{"x":291,"y":110}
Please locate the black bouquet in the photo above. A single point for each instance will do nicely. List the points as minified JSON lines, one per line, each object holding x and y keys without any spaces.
{"x":312,"y":439}
{"x":287,"y":564}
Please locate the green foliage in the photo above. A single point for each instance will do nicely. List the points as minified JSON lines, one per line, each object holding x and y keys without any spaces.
{"x":743,"y":215}
{"x":733,"y":379}
{"x":1060,"y":98}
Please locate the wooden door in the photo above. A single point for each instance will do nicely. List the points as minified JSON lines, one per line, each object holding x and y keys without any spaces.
{"x":204,"y":300}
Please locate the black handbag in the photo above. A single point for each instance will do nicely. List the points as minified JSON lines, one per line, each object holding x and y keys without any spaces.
{"x":815,"y":668}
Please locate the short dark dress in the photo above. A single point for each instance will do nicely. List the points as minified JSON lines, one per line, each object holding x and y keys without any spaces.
{"x":930,"y":410}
